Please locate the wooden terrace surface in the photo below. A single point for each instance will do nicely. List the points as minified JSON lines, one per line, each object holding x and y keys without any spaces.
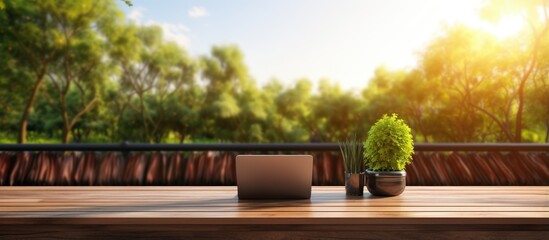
{"x":421,"y":212}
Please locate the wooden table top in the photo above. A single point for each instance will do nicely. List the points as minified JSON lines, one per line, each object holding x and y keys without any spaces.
{"x":220,"y":205}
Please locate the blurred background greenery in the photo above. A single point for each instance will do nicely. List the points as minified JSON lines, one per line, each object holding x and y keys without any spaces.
{"x":79,"y":71}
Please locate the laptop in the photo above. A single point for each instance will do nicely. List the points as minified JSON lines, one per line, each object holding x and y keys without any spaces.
{"x":274,"y":176}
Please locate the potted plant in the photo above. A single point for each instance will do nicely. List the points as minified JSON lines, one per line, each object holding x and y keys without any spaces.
{"x":387,"y":151}
{"x":351,"y":151}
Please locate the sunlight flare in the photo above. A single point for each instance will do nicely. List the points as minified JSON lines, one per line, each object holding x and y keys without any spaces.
{"x":506,"y":27}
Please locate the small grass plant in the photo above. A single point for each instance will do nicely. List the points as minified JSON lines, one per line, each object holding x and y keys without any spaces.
{"x":351,"y":151}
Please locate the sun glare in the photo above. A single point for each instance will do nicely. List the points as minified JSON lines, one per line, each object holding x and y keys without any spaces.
{"x":468,"y":13}
{"x":505,"y":27}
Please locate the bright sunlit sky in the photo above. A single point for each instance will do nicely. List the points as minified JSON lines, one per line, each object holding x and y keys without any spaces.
{"x":340,"y":40}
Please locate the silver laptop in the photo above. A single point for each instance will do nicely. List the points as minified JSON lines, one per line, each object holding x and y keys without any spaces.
{"x":274,"y":176}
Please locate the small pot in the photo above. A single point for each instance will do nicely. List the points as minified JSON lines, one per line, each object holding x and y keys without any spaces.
{"x":386,"y":183}
{"x":354,"y":184}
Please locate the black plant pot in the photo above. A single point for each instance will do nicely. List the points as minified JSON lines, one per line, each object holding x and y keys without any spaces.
{"x":386,"y":183}
{"x":354,"y":184}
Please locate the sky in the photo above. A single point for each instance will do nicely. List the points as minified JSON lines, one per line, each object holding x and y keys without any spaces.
{"x":343,"y":41}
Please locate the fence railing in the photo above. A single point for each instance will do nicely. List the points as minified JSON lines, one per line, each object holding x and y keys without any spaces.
{"x":214,"y":164}
{"x":436,"y":147}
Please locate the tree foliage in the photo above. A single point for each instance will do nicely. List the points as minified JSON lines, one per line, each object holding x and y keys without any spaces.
{"x":78,"y":71}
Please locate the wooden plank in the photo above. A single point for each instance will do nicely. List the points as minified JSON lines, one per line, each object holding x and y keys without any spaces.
{"x":233,"y":192}
{"x":240,"y":232}
{"x":197,"y":195}
{"x":233,"y":188}
{"x":216,"y":212}
{"x":217,"y":205}
{"x":274,"y":214}
{"x":180,"y":203}
{"x":250,"y":218}
{"x":224,"y":197}
{"x":317,"y":202}
{"x":179,"y":208}
{"x":230,"y":191}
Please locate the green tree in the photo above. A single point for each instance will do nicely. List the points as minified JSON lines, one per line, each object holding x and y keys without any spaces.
{"x":227,"y":79}
{"x":175,"y":92}
{"x":379,"y":95}
{"x":294,"y":105}
{"x":30,"y":43}
{"x":275,"y":125}
{"x":54,"y":38}
{"x":82,"y":67}
{"x":533,"y":37}
{"x":253,"y":113}
{"x":140,"y":72}
{"x":537,"y":96}
{"x":184,"y":109}
{"x":124,"y":49}
{"x":337,"y":113}
{"x":473,"y":66}
{"x":158,"y":74}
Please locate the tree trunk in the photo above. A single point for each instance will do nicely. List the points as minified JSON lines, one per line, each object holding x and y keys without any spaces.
{"x":28,"y":107}
{"x":66,"y":135}
{"x":69,"y":124}
{"x":547,"y":130}
{"x":518,"y":125}
{"x":143,"y":119}
{"x":67,"y":128}
{"x":533,"y":64}
{"x":425,"y":139}
{"x":181,"y":137}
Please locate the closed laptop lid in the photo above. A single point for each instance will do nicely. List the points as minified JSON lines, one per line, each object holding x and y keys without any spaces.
{"x":274,"y":176}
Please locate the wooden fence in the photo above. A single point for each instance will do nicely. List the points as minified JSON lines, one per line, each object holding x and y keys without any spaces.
{"x":437,"y":166}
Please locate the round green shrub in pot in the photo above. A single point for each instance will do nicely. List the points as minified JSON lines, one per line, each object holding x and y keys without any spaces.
{"x":387,"y":151}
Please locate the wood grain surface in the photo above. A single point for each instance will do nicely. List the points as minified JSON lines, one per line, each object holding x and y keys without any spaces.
{"x":489,"y":211}
{"x":218,"y":168}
